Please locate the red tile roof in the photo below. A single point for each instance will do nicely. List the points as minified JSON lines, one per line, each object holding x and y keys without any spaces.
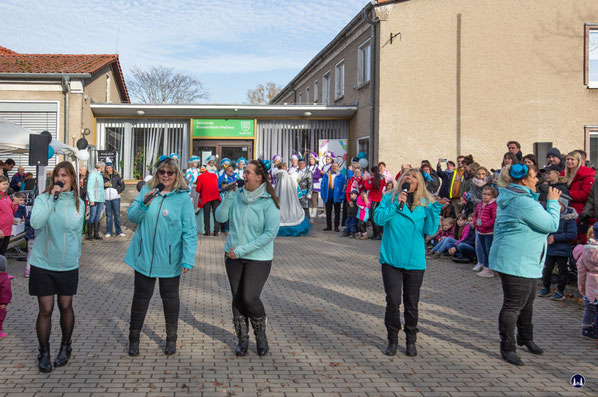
{"x":11,"y":62}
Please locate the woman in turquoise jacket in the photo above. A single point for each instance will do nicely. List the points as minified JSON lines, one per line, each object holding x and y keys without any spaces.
{"x":253,"y":214}
{"x":518,"y":253}
{"x":407,"y":218}
{"x":162,"y":248}
{"x":57,"y":217}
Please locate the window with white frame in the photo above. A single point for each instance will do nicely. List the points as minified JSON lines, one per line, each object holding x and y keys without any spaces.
{"x":316,"y":91}
{"x":363,"y":145}
{"x":326,"y":89}
{"x":339,"y":80}
{"x":307,"y":95}
{"x":592,"y":142}
{"x":592,"y":55}
{"x":363,"y":63}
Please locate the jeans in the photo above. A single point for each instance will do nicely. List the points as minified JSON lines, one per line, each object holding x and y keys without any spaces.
{"x":406,"y":284}
{"x":210,"y":205}
{"x":113,"y":210}
{"x":95,"y":212}
{"x":169,"y":291}
{"x":444,"y":245}
{"x":561,"y":262}
{"x":337,"y":213}
{"x":350,"y":226}
{"x":517,"y":310}
{"x":466,"y":250}
{"x":375,"y":227}
{"x":247,"y":279}
{"x":483,"y":242}
{"x":590,"y":314}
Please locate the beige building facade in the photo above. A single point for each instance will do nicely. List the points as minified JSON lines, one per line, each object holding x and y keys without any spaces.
{"x":457,"y":77}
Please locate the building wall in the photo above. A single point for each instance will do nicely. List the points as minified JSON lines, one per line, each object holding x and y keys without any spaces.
{"x":520,"y":77}
{"x":97,"y":91}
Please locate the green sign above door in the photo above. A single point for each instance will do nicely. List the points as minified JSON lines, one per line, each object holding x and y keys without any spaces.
{"x":216,"y":128}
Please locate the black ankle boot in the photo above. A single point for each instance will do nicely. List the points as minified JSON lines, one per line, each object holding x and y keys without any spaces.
{"x":391,"y":349}
{"x":45,"y":362}
{"x":134,"y":343}
{"x":512,"y":358}
{"x":64,"y":354}
{"x":259,"y":329}
{"x":410,"y":350}
{"x":96,"y":231}
{"x":170,"y":348}
{"x":241,"y":324}
{"x":531,"y":346}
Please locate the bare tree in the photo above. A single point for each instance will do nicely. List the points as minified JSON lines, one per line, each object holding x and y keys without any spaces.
{"x":161,"y":84}
{"x":263,"y":94}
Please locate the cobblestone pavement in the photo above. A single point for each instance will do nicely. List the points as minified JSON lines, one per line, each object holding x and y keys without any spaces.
{"x":325,"y":303}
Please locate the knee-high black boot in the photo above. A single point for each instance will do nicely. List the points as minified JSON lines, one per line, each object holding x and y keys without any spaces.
{"x":45,"y":361}
{"x":241,"y":324}
{"x":259,"y":329}
{"x":64,"y":354}
{"x":96,"y":231}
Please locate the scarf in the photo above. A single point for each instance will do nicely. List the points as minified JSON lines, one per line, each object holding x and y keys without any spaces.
{"x":479,"y":182}
{"x":427,"y":176}
{"x":251,"y":197}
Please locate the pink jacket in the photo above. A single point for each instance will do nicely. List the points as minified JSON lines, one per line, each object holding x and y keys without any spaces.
{"x":5,"y":291}
{"x":487,"y":215}
{"x":363,"y":213}
{"x":464,"y":233}
{"x":7,"y":212}
{"x":446,"y":233}
{"x":587,"y":269}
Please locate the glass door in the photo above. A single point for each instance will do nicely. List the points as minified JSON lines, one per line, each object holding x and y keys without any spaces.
{"x":232,"y":149}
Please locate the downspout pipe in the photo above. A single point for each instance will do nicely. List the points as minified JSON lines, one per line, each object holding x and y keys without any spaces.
{"x":66,"y":89}
{"x":372,"y":23}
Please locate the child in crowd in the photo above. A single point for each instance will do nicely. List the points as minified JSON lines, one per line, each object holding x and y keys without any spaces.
{"x":483,"y":221}
{"x":559,"y":250}
{"x":389,"y":186}
{"x":363,"y":214}
{"x":8,"y":208}
{"x":478,"y":183}
{"x":19,"y":199}
{"x":431,"y":240}
{"x":5,"y":293}
{"x":446,"y":229}
{"x":587,"y":282}
{"x":449,"y":242}
{"x":464,"y":251}
{"x":351,"y":221}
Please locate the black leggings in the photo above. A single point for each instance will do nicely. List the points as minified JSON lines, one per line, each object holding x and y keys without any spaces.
{"x":4,"y":245}
{"x":169,"y":292}
{"x":247,"y":279}
{"x":210,"y":205}
{"x":44,"y":318}
{"x":375,"y":227}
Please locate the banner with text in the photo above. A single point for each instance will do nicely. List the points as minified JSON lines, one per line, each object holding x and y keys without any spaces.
{"x":216,"y":128}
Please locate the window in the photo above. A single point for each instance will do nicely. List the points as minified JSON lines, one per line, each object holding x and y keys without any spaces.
{"x":363,"y":63}
{"x":326,"y":89}
{"x":591,"y":56}
{"x":316,"y":91}
{"x":339,"y":80}
{"x":307,"y":95}
{"x":363,"y":145}
{"x":299,"y":101}
{"x":592,"y":145}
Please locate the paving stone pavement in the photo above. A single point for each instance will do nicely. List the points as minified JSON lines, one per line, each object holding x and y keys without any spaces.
{"x":325,"y":303}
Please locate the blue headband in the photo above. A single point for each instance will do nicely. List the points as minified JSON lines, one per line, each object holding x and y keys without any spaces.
{"x":518,"y":171}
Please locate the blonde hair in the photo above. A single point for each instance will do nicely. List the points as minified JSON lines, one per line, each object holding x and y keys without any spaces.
{"x":170,"y":165}
{"x":570,"y":175}
{"x":448,"y":221}
{"x":421,"y":195}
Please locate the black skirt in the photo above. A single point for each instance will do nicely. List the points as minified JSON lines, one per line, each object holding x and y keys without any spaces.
{"x":44,"y":282}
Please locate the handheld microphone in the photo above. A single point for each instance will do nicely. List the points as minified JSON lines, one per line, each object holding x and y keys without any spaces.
{"x":57,"y":194}
{"x":159,"y":187}
{"x":404,"y":189}
{"x":240,"y":183}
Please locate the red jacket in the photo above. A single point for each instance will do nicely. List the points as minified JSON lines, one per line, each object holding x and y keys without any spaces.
{"x":359,"y":184}
{"x":207,"y":187}
{"x":374,"y":195}
{"x":5,"y":291}
{"x":580,"y":187}
{"x":7,"y":212}
{"x":487,"y":214}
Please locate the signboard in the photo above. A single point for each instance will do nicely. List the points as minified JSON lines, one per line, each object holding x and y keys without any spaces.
{"x":108,"y":154}
{"x":217,"y":128}
{"x":336,"y":146}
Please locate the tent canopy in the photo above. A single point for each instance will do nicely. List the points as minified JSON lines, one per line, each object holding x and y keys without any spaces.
{"x":13,"y":138}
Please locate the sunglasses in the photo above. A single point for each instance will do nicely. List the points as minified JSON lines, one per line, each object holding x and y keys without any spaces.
{"x":164,"y":172}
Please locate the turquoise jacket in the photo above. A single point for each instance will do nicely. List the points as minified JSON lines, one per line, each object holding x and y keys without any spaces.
{"x":253,"y":226}
{"x":95,"y":187}
{"x":403,"y":244}
{"x":58,"y":226}
{"x":166,"y":239}
{"x":520,"y":232}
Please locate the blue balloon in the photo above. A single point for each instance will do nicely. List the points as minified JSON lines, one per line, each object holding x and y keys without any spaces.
{"x":50,"y":152}
{"x":362,"y":155}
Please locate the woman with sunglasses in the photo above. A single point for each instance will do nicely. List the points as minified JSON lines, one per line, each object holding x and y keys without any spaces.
{"x":162,"y":248}
{"x":254,"y":216}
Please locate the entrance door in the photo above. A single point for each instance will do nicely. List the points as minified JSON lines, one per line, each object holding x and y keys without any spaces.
{"x":232,"y":149}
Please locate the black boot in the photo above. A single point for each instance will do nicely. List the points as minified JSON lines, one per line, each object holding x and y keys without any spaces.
{"x":64,"y":354}
{"x":170,"y":348}
{"x":511,"y":357}
{"x":134,"y":343}
{"x":393,"y":342}
{"x":410,"y":350}
{"x":89,"y":231}
{"x":241,"y":324}
{"x":45,"y":362}
{"x":96,"y":231}
{"x":531,"y":346}
{"x":259,"y":329}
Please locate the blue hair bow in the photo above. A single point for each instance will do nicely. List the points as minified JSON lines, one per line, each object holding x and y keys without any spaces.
{"x":518,"y":171}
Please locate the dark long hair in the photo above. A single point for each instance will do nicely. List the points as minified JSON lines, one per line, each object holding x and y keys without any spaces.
{"x":70,"y":170}
{"x":261,"y":170}
{"x":376,"y":178}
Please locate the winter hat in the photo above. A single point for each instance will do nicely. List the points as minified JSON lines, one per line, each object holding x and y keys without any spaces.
{"x":565,"y":199}
{"x":3,"y":263}
{"x":355,"y":191}
{"x":554,"y":152}
{"x":577,"y":251}
{"x":551,"y":167}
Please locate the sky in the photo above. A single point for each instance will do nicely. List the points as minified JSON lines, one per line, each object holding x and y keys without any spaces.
{"x":230,"y":46}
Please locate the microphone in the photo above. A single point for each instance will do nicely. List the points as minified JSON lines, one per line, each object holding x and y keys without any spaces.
{"x":404,"y":189}
{"x":159,"y":187}
{"x":240,"y":183}
{"x":57,"y":194}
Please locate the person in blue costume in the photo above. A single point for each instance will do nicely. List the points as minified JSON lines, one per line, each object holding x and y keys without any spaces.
{"x":211,"y":166}
{"x":293,"y":221}
{"x":225,"y":162}
{"x":241,"y":164}
{"x":162,"y":248}
{"x":407,"y":218}
{"x":227,"y":177}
